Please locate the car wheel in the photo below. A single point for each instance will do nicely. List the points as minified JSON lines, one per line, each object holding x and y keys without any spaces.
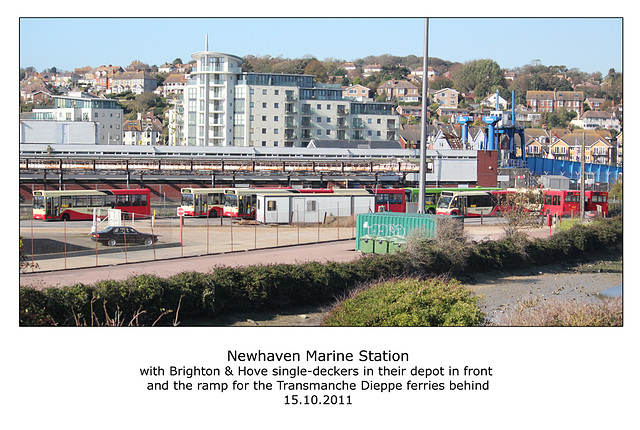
{"x":148,"y":241}
{"x":111,"y":242}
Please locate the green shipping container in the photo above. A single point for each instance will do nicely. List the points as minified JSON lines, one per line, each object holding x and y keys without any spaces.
{"x":400,"y":224}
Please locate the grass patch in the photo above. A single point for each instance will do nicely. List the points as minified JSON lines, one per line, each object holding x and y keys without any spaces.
{"x":606,"y":313}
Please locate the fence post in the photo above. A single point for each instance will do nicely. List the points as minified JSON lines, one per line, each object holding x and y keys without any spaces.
{"x":65,"y":243}
{"x":298,"y":222}
{"x":96,"y":253}
{"x":338,"y":217}
{"x":153,"y":242}
{"x":231,"y":231}
{"x":208,"y":232}
{"x":32,"y":263}
{"x":181,"y":244}
{"x":124,"y":231}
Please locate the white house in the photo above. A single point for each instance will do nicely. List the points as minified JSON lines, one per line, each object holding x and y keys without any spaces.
{"x":490,"y":101}
{"x":146,"y":130}
{"x":592,"y":119}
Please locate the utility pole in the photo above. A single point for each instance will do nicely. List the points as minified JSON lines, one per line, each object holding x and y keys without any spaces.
{"x":582,"y":180}
{"x":423,"y":131}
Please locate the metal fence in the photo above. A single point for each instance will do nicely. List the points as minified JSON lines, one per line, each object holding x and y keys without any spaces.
{"x":57,"y":245}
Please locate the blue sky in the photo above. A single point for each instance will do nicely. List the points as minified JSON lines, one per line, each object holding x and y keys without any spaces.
{"x":589,"y":44}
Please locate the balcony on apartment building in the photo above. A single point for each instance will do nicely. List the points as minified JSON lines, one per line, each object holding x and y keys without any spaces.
{"x":290,"y":109}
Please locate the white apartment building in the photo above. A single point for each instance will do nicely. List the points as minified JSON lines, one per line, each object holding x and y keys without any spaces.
{"x":76,"y":108}
{"x":223,"y":106}
{"x":209,"y":100}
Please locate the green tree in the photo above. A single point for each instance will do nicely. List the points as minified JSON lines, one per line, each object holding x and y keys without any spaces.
{"x":316,"y":68}
{"x":559,"y":118}
{"x":382,"y":97}
{"x":440,"y":83}
{"x":479,"y":77}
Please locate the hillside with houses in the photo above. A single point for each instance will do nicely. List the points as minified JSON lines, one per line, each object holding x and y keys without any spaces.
{"x":559,"y":107}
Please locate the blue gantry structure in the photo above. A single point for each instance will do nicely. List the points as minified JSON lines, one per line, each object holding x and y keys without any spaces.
{"x":501,"y":123}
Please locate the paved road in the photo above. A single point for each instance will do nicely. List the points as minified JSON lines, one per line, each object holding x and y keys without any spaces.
{"x":343,"y":250}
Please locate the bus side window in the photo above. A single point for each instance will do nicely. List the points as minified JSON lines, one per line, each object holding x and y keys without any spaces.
{"x":135,"y":200}
{"x":110,"y":201}
{"x":95,"y":201}
{"x":123,"y":200}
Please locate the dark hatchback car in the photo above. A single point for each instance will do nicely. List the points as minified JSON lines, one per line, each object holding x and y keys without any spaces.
{"x":113,"y":236}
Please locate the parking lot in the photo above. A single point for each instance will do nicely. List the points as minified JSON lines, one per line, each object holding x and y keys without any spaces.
{"x":59,"y":245}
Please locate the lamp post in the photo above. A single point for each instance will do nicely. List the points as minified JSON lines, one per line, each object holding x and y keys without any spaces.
{"x":423,"y":131}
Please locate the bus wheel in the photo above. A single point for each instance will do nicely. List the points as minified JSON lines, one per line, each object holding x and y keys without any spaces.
{"x":431,"y":211}
{"x":213,"y":214}
{"x":65,"y":217}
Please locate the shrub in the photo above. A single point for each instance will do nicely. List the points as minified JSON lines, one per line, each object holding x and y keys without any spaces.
{"x":33,"y":310}
{"x":408,"y":302}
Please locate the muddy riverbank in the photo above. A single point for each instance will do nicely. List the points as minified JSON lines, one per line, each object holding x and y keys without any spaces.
{"x":500,"y":293}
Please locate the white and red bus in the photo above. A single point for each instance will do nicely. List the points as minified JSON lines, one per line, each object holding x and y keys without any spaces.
{"x":561,"y":202}
{"x":79,"y":204}
{"x":472,"y":203}
{"x":202,"y":202}
{"x":597,"y":201}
